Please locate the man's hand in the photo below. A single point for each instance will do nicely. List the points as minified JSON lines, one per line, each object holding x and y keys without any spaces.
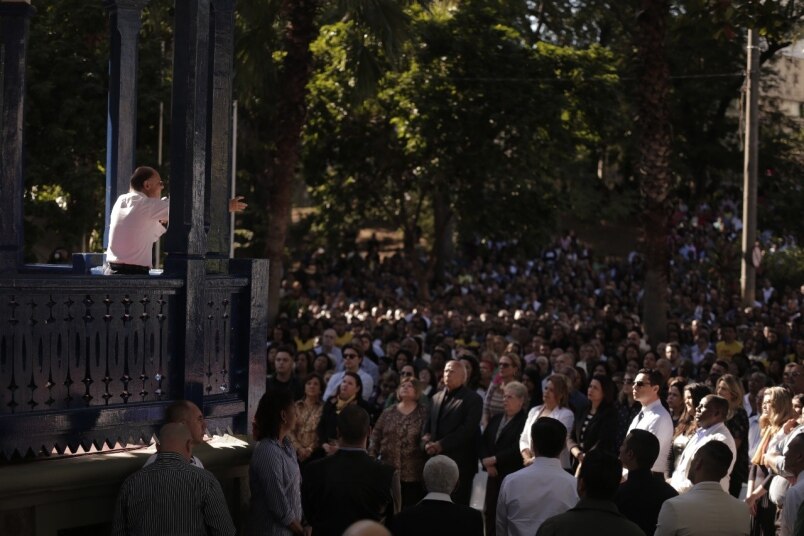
{"x":433,"y":448}
{"x":236,"y":204}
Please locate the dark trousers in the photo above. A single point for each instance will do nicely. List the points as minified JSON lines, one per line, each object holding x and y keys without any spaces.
{"x":116,"y":268}
{"x":463,"y":491}
{"x":412,"y":492}
{"x":492,"y":494}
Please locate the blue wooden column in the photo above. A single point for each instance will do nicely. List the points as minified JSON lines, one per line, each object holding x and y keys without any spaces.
{"x":14,"y":29}
{"x":186,"y":240}
{"x":125,"y":18}
{"x":219,"y":138}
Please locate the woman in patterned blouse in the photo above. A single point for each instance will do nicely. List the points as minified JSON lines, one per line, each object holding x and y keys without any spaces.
{"x":305,"y":433}
{"x":396,"y":440}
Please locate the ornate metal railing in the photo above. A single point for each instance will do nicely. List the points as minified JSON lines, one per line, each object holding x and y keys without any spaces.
{"x":94,"y":360}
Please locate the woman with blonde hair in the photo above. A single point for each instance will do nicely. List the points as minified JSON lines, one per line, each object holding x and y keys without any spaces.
{"x":556,"y":406}
{"x":775,"y":423}
{"x":730,"y":388}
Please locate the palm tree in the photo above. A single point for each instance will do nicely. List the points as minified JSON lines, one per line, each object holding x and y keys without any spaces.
{"x":653,"y":168}
{"x":380,"y":28}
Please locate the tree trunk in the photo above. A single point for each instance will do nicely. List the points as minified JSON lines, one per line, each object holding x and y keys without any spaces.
{"x":655,"y":177}
{"x":443,"y":248}
{"x":284,"y":157}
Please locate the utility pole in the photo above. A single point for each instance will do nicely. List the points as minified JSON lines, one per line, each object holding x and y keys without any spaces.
{"x":748,"y":273}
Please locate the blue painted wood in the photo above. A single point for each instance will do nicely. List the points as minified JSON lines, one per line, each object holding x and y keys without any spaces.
{"x":14,"y":29}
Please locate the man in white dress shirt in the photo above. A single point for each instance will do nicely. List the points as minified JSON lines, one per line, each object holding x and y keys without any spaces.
{"x":352,"y":360}
{"x":706,"y":510}
{"x":710,"y":415}
{"x":541,"y":490}
{"x":653,"y":417}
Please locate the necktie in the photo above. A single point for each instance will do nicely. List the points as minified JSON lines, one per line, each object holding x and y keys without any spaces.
{"x":639,"y":417}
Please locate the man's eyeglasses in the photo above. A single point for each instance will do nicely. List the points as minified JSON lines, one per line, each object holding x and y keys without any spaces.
{"x":350,"y":356}
{"x":406,"y":373}
{"x":642,"y":384}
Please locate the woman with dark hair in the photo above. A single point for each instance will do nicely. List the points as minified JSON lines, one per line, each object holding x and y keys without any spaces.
{"x":428,"y":382}
{"x":531,"y":379}
{"x":675,"y":399}
{"x":396,"y":440}
{"x":730,"y":388}
{"x":693,"y":394}
{"x":596,"y":424}
{"x":308,"y":409}
{"x":274,"y":474}
{"x":304,"y":364}
{"x":472,"y":371}
{"x":350,"y":392}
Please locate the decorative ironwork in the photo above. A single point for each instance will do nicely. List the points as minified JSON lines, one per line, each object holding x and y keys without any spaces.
{"x":77,"y":349}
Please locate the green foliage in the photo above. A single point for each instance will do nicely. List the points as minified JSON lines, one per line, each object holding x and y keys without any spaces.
{"x":785,"y":268}
{"x":477,"y":117}
{"x":65,"y":119}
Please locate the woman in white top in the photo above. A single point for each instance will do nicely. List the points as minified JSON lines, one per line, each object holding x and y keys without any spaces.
{"x":556,"y":406}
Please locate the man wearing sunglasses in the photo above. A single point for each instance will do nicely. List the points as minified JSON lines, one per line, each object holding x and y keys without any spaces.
{"x":352,"y":359}
{"x":653,"y":417}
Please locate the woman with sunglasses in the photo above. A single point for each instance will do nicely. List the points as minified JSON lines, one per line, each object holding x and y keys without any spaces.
{"x":493,"y":403}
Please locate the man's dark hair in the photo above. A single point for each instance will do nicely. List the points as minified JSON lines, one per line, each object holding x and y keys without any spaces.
{"x":549,"y":437}
{"x":353,"y":423}
{"x":601,"y":473}
{"x":654,"y":376}
{"x":288,"y":349}
{"x":408,"y":355}
{"x":178,"y":411}
{"x":140,"y":175}
{"x":351,"y":346}
{"x":645,"y":447}
{"x":268,"y":417}
{"x":719,"y":403}
{"x":716,"y":456}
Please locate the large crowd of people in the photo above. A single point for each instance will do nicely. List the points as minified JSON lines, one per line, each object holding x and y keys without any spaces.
{"x":528,"y":389}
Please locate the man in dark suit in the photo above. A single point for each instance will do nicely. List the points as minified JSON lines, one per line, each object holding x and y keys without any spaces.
{"x":640,"y":498}
{"x":349,"y":485}
{"x":436,"y":514}
{"x":453,"y":427}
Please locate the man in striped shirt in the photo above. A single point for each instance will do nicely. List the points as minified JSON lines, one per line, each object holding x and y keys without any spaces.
{"x":170,"y":496}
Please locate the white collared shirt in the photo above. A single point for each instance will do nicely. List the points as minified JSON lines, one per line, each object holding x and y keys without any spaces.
{"x":716,"y":432}
{"x":531,"y":495}
{"x":563,"y":415}
{"x":336,"y":379}
{"x":134,"y":227}
{"x":437,"y":496}
{"x":656,"y":420}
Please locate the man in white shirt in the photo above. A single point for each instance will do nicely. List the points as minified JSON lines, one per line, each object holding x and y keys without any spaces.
{"x":794,"y":463}
{"x":705,"y":510}
{"x":541,"y":490}
{"x":351,"y":363}
{"x":653,"y":417}
{"x":137,"y":220}
{"x":710,"y":416}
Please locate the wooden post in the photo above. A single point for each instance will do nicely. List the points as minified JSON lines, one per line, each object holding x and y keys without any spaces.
{"x":219,"y":146}
{"x":121,"y":127}
{"x":14,"y":29}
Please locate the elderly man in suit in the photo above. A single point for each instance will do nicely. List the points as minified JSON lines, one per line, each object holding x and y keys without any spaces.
{"x":436,"y":514}
{"x":453,"y":427}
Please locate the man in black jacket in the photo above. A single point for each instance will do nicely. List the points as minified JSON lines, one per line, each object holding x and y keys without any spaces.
{"x":436,"y":514}
{"x":453,"y":427}
{"x":349,"y":485}
{"x":641,"y":496}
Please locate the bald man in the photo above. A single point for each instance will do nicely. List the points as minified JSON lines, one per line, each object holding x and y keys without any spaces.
{"x":170,"y":496}
{"x":453,"y":427}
